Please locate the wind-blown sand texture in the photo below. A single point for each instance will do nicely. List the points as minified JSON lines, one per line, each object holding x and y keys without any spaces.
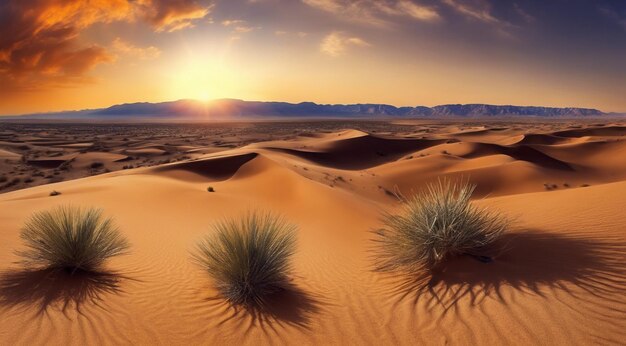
{"x":560,"y":279}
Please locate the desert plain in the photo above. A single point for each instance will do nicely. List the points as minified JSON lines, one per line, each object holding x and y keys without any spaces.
{"x":560,"y":278}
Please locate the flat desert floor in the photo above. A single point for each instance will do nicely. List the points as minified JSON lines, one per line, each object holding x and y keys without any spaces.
{"x":560,"y":280}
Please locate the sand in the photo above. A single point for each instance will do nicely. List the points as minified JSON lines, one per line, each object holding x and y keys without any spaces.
{"x":561,"y":280}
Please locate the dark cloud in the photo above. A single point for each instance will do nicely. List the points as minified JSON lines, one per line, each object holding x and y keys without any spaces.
{"x":40,"y":44}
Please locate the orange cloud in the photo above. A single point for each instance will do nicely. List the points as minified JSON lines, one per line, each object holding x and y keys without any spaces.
{"x":172,"y":15}
{"x":40,"y":45}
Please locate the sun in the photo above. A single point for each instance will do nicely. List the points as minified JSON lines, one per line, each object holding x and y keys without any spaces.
{"x":198,"y":78}
{"x":203,"y":96}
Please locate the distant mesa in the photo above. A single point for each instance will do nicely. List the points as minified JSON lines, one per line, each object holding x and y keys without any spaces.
{"x":233,"y":109}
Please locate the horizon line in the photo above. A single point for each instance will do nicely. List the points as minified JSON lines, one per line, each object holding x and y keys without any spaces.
{"x":300,"y":102}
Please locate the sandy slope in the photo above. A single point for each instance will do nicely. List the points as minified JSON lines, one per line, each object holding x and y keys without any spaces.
{"x":561,"y":281}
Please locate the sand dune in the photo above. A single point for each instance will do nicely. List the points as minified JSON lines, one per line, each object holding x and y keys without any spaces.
{"x":543,"y":139}
{"x":559,"y":279}
{"x":605,"y":131}
{"x":357,"y":150}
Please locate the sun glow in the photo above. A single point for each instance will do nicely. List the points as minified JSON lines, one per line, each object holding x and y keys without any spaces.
{"x":201,"y":77}
{"x":203,"y":96}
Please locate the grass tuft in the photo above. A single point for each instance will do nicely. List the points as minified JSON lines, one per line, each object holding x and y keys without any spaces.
{"x":248,"y":257}
{"x":70,"y":239}
{"x":435,"y":224}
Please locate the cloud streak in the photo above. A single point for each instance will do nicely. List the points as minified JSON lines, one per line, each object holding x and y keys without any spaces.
{"x":337,"y":43}
{"x":614,"y":15}
{"x":481,"y":11}
{"x":377,"y":12}
{"x":476,"y":9}
{"x":172,"y":15}
{"x":126,"y":48}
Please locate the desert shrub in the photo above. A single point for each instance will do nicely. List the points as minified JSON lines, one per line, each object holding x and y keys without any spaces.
{"x":71,"y":239}
{"x":248,"y":257}
{"x":210,"y":189}
{"x":435,"y":224}
{"x":550,"y":187}
{"x":54,"y":193}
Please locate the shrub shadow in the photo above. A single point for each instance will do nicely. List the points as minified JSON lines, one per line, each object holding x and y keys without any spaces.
{"x":291,"y":306}
{"x":56,"y":289}
{"x":531,"y":261}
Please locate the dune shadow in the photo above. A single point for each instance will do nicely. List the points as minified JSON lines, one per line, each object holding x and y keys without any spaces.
{"x":216,"y":168}
{"x":362,"y":152}
{"x":518,"y":151}
{"x":531,"y":261}
{"x":290,"y":307}
{"x":48,"y":289}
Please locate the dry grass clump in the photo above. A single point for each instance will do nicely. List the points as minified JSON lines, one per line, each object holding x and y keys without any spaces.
{"x":435,"y":224}
{"x":71,"y":239}
{"x":248,"y":257}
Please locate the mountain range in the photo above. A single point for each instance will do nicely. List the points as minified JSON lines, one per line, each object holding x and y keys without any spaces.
{"x":225,"y":109}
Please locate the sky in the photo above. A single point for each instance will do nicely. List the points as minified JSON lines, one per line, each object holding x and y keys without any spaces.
{"x":67,"y":55}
